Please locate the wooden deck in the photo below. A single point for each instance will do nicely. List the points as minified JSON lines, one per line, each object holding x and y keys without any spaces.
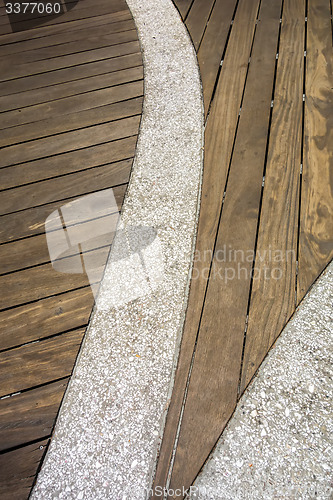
{"x":265,"y":229}
{"x":71,"y":92}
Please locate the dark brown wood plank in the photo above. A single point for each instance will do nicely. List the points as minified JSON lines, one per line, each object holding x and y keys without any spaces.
{"x":316,"y":217}
{"x":197,"y":19}
{"x":73,"y":104}
{"x":22,"y":254}
{"x":212,"y":46}
{"x":30,"y":415}
{"x":45,"y":318}
{"x":44,"y":281}
{"x":273,"y":298}
{"x":18,"y":469}
{"x":32,"y":221}
{"x":219,"y":140}
{"x":213,"y":387}
{"x":38,"y":363}
{"x":70,"y":74}
{"x":69,"y":141}
{"x":183,"y":6}
{"x":42,"y":43}
{"x":105,"y":154}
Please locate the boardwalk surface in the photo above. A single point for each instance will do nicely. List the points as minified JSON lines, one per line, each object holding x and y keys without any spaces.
{"x":71,"y":91}
{"x":265,"y":229}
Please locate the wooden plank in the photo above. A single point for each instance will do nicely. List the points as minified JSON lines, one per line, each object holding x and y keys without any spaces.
{"x":70,"y":74}
{"x":219,"y":140}
{"x":197,"y":19}
{"x":40,"y":362}
{"x":316,"y":229}
{"x":18,"y":469}
{"x":20,"y":36}
{"x":23,"y":254}
{"x":73,"y":104}
{"x":69,"y":141}
{"x":30,"y":415}
{"x":212,"y":46}
{"x":105,"y":154}
{"x":32,"y":221}
{"x":80,"y":183}
{"x":62,"y":39}
{"x":213,"y":387}
{"x":51,"y":93}
{"x":44,"y":281}
{"x":273,"y":294}
{"x":183,"y":6}
{"x":45,"y":318}
{"x":68,"y":49}
{"x":70,"y":60}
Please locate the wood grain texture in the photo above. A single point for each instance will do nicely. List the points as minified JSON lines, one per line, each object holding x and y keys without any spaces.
{"x":316,"y":218}
{"x":39,"y":362}
{"x":18,"y":469}
{"x":213,"y":45}
{"x":197,"y":19}
{"x":30,"y":415}
{"x":183,"y":6}
{"x":46,"y":317}
{"x":219,"y":140}
{"x":213,"y":385}
{"x":273,"y":293}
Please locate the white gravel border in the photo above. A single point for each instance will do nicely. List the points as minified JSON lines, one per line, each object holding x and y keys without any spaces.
{"x":111,"y":421}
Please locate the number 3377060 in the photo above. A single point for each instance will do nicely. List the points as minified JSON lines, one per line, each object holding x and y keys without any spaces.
{"x":33,"y":7}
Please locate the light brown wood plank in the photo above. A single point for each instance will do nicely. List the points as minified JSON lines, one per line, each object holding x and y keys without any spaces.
{"x":105,"y":154}
{"x":219,"y":140}
{"x":18,"y":468}
{"x":30,"y":415}
{"x":69,"y":141}
{"x":197,"y":19}
{"x":212,"y":46}
{"x":73,"y":104}
{"x":45,"y":317}
{"x":213,"y":388}
{"x":316,"y":218}
{"x":32,"y":221}
{"x":40,"y":362}
{"x":273,"y":294}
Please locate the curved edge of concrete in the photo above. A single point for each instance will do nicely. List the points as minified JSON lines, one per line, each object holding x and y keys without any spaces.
{"x":111,"y":421}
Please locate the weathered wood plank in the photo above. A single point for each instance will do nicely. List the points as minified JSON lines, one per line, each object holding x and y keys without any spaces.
{"x":219,"y":140}
{"x":32,"y":221}
{"x":213,"y":387}
{"x":30,"y":415}
{"x":273,"y":294}
{"x":45,"y":317}
{"x":197,"y":19}
{"x":183,"y":6}
{"x":72,"y":104}
{"x":212,"y":46}
{"x":38,"y":363}
{"x":316,"y":217}
{"x":69,"y":141}
{"x":33,"y":97}
{"x":18,"y":469}
{"x":70,"y":74}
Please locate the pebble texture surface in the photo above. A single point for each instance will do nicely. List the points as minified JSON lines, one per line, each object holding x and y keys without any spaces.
{"x":109,"y":427}
{"x":278,"y":444}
